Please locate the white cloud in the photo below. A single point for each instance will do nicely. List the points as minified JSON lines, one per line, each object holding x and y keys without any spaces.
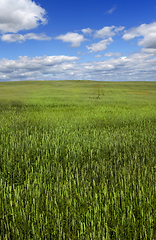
{"x":147,"y":31}
{"x":98,"y":56}
{"x":35,"y":68}
{"x":16,"y":15}
{"x":74,"y":38}
{"x":87,"y":31}
{"x":149,"y":41}
{"x":13,"y":38}
{"x":39,"y":37}
{"x":81,"y":53}
{"x":149,"y":50}
{"x":111,"y":10}
{"x":138,"y":66}
{"x":118,"y":29}
{"x":100,"y":46}
{"x":106,"y":32}
{"x":110,"y":54}
{"x":142,"y":30}
{"x":21,"y":38}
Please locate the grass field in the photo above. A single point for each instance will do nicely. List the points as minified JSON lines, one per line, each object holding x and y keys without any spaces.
{"x":77,"y":160}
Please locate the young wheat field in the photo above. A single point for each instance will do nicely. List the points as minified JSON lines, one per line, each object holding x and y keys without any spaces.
{"x":77,"y":160}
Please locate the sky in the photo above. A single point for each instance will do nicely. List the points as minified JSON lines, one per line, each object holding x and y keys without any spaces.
{"x":78,"y":40}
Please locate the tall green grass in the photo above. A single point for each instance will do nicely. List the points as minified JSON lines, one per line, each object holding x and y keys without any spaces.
{"x":74,"y":166}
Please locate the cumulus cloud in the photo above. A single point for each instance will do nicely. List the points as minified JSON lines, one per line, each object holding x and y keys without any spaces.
{"x":16,"y":15}
{"x":106,"y":32}
{"x":87,"y":31}
{"x":34,"y":68}
{"x":147,"y":31}
{"x":138,"y":66}
{"x":149,"y":41}
{"x":21,"y":38}
{"x":142,"y":30}
{"x":100,"y":46}
{"x":110,"y":54}
{"x":98,"y":56}
{"x":149,"y":50}
{"x":13,"y":38}
{"x":74,"y":38}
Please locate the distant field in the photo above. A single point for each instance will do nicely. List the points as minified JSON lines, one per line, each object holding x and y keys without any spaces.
{"x":77,"y":160}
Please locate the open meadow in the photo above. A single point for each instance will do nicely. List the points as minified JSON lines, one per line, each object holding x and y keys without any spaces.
{"x":77,"y":160}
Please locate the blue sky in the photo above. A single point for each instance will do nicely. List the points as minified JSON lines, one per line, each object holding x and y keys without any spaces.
{"x":95,"y":40}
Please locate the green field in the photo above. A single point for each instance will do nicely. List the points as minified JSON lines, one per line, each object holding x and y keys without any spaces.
{"x":77,"y":160}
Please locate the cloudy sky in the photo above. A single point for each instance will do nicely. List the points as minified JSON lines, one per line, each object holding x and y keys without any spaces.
{"x":77,"y":39}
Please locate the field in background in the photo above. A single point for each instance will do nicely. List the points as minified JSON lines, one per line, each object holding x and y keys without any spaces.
{"x":77,"y":160}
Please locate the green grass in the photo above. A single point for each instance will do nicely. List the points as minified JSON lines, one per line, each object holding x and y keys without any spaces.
{"x":78,"y":160}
